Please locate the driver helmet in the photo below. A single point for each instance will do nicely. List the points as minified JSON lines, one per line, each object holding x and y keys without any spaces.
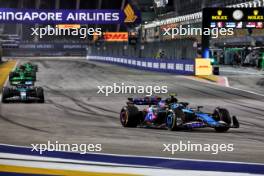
{"x":162,"y":104}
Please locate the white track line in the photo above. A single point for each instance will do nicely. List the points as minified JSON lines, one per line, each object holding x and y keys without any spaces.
{"x":121,"y":170}
{"x":8,"y":156}
{"x":227,"y":85}
{"x":242,"y":72}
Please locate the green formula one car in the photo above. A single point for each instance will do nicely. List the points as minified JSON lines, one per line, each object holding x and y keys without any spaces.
{"x":20,"y":77}
{"x":25,"y":72}
{"x":23,"y":93}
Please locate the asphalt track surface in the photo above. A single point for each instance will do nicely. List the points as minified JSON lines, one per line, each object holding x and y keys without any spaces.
{"x":75,"y":113}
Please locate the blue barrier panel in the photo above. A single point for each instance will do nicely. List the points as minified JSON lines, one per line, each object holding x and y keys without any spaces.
{"x":182,"y":67}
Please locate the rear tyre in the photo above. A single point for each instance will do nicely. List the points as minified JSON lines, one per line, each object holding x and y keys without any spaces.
{"x":33,"y":75}
{"x":221,"y":114}
{"x":12,"y":75}
{"x":6,"y":94}
{"x":130,"y":116}
{"x":40,"y":95}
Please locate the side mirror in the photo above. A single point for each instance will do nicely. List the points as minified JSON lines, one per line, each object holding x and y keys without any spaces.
{"x":130,"y":99}
{"x":185,"y":104}
{"x":173,"y":94}
{"x":199,"y":107}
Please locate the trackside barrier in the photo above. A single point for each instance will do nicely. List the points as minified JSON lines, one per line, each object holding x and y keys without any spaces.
{"x":203,"y":67}
{"x":23,"y":156}
{"x":181,"y":67}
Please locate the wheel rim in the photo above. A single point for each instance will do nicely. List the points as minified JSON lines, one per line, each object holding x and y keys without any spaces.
{"x":170,"y":120}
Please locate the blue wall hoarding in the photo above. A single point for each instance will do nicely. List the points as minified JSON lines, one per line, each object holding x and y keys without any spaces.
{"x":40,"y":46}
{"x":181,"y":67}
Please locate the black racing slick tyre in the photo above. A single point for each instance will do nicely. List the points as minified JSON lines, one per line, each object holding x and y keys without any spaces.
{"x":129,"y":116}
{"x":221,"y":114}
{"x":5,"y":94}
{"x":33,"y":75}
{"x":173,"y":119}
{"x":12,"y":75}
{"x":36,"y":68}
{"x":40,"y":95}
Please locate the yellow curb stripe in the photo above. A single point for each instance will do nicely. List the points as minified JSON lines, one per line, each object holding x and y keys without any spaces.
{"x":212,"y":78}
{"x":5,"y":69}
{"x":42,"y":171}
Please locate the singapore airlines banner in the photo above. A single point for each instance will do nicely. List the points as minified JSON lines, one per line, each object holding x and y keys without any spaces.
{"x":92,"y":16}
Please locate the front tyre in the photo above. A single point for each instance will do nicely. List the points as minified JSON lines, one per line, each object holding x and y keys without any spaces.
{"x":6,"y":93}
{"x":129,"y":116}
{"x":173,"y":119}
{"x":221,"y":114}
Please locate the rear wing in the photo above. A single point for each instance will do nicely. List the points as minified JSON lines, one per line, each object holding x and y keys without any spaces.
{"x":144,"y":101}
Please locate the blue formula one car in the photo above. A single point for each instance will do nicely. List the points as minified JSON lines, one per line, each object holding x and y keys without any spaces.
{"x":173,"y":115}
